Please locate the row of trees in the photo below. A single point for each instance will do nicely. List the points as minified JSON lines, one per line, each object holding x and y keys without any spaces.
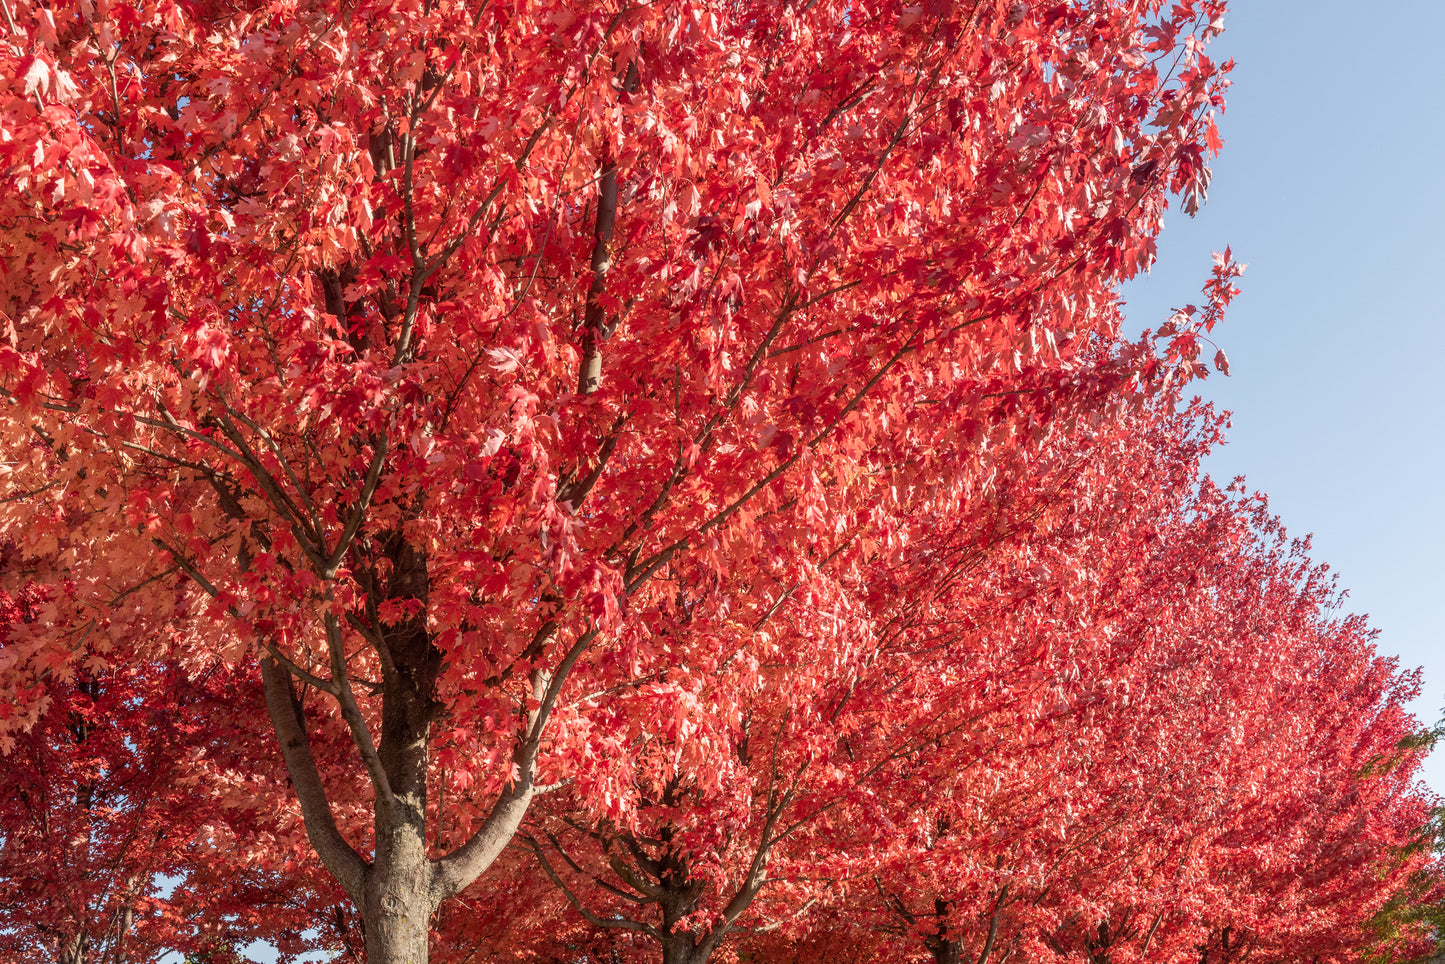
{"x":1115,"y":715}
{"x":672,"y":481}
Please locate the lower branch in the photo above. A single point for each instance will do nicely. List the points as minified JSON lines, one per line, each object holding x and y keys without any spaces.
{"x":345,"y":864}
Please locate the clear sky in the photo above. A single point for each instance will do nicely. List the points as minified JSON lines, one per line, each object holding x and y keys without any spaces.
{"x":1331,"y":187}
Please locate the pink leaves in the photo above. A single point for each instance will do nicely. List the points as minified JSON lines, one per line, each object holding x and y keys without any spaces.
{"x":210,"y":350}
{"x":1187,"y":328}
{"x":504,"y":360}
{"x":494,"y":439}
{"x":1221,"y":290}
{"x":43,"y":80}
{"x":36,"y":79}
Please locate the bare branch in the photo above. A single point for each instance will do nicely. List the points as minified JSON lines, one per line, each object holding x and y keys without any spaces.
{"x":993,"y":925}
{"x":358,"y":511}
{"x":459,"y":868}
{"x":1150,"y":936}
{"x":310,"y":679}
{"x":617,"y":923}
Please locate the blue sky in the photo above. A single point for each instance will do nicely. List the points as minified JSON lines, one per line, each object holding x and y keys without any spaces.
{"x":1331,"y":187}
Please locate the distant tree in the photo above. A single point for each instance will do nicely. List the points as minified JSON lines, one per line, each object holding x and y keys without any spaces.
{"x":131,"y":820}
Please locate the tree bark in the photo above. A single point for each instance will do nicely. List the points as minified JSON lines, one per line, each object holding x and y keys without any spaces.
{"x":73,"y":951}
{"x":680,"y":949}
{"x":595,"y":326}
{"x":398,"y":922}
{"x":398,"y":905}
{"x":944,"y":951}
{"x":289,"y":722}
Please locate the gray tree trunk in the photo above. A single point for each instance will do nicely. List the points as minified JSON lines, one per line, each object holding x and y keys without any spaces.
{"x":397,"y":926}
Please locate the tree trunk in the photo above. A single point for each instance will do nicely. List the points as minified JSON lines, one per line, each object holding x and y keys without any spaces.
{"x":397,"y":923}
{"x":680,"y":949}
{"x":944,"y":951}
{"x":73,"y":951}
{"x":398,"y":899}
{"x":398,"y":902}
{"x":398,"y":890}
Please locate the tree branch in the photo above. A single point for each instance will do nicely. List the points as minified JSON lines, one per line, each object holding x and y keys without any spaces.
{"x":594,"y":324}
{"x":459,"y":868}
{"x":993,"y":925}
{"x":351,"y":712}
{"x":345,"y":864}
{"x":618,"y":923}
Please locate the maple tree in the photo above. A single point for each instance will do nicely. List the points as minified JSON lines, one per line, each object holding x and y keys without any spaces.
{"x":1032,"y":756}
{"x":1042,"y":810}
{"x":454,"y":365}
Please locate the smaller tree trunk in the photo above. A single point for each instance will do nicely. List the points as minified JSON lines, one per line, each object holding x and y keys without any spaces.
{"x":73,"y":951}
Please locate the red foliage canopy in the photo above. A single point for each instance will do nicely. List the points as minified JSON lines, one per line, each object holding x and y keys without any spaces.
{"x":453,"y":365}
